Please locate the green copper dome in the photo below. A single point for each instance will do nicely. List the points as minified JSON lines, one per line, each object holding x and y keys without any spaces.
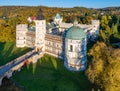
{"x":58,"y":16}
{"x":75,"y":33}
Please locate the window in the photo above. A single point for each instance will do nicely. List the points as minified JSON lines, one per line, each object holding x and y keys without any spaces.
{"x":71,"y":48}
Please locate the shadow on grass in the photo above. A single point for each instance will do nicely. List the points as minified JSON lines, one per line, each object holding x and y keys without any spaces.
{"x":50,"y":74}
{"x":9,"y":51}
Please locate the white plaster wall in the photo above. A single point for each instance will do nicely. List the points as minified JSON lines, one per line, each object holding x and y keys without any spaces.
{"x":21,"y":35}
{"x":54,"y":47}
{"x":74,"y":58}
{"x":40,"y":34}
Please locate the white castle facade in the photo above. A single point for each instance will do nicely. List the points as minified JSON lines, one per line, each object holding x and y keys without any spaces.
{"x":67,"y":41}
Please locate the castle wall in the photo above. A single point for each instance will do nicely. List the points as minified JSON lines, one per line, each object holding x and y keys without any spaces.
{"x":30,"y":39}
{"x":53,"y":45}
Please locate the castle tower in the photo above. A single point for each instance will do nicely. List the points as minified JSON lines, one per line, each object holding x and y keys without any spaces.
{"x":21,"y":30}
{"x":58,"y":19}
{"x":40,"y":23}
{"x":75,"y":49}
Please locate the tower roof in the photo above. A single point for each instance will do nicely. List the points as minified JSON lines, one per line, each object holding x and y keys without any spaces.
{"x":57,"y":16}
{"x":40,"y":15}
{"x":75,"y":33}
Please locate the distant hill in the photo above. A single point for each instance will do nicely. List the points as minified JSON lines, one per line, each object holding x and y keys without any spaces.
{"x":12,"y":11}
{"x":110,"y":9}
{"x":10,"y":16}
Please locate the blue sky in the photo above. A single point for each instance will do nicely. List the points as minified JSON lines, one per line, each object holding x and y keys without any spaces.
{"x":62,"y":3}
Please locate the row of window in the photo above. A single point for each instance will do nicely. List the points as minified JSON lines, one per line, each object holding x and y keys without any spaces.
{"x":54,"y":44}
{"x":53,"y":50}
{"x":78,"y":48}
{"x":40,"y":23}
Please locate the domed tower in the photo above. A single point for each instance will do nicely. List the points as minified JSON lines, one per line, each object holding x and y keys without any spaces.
{"x":75,"y":49}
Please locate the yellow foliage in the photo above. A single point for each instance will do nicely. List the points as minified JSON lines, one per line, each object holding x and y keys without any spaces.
{"x":104,"y":69}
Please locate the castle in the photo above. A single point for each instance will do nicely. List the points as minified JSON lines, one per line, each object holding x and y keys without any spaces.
{"x":67,"y":41}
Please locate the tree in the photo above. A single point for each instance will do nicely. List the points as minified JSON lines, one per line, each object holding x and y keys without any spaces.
{"x":104,"y":69}
{"x":108,"y":30}
{"x":104,"y":22}
{"x":118,"y":28}
{"x":114,"y":29}
{"x":102,"y":36}
{"x":114,"y":19}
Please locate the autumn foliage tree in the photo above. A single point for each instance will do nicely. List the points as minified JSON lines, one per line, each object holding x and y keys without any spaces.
{"x":104,"y":68}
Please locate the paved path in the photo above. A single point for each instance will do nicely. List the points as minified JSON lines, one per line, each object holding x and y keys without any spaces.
{"x":16,"y":62}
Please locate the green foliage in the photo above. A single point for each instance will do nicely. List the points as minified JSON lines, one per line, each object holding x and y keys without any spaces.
{"x":114,"y":29}
{"x":104,"y":22}
{"x":7,"y":30}
{"x":9,"y":51}
{"x":104,"y":69}
{"x":50,"y":74}
{"x":109,"y":32}
{"x":114,"y":19}
{"x":115,"y":38}
{"x":31,"y":24}
{"x":118,"y":28}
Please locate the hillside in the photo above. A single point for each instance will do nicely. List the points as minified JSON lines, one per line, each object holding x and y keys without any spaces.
{"x":110,"y":8}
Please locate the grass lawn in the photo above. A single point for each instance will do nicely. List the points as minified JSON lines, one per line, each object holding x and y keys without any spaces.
{"x":49,"y":74}
{"x":9,"y":51}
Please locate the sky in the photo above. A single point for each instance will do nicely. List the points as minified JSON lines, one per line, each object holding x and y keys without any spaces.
{"x":62,"y":3}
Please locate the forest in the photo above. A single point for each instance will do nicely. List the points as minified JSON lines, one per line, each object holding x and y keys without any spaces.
{"x":103,"y":57}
